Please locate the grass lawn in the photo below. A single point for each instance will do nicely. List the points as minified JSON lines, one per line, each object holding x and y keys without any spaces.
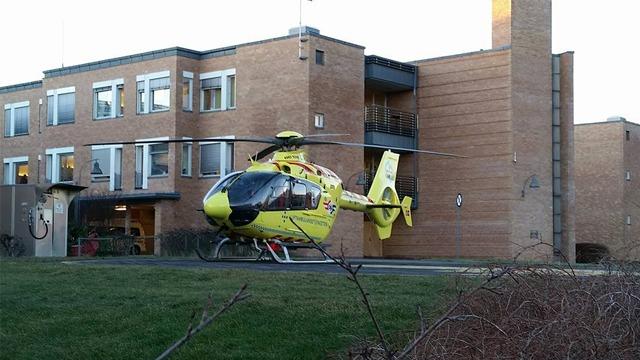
{"x":50,"y":310}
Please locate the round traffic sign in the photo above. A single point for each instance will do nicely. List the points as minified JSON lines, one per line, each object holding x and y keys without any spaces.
{"x":459,"y":200}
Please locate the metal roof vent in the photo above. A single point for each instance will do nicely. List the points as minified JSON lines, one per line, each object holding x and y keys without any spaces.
{"x":305,"y":30}
{"x":616,"y":118}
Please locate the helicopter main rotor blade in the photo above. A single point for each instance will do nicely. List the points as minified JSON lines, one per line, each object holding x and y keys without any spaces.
{"x":316,"y":142}
{"x":212,"y":139}
{"x":264,"y":152}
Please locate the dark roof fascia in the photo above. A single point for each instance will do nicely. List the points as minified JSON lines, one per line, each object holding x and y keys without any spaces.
{"x":498,"y":49}
{"x":20,"y":87}
{"x":155,"y":196}
{"x":608,"y":122}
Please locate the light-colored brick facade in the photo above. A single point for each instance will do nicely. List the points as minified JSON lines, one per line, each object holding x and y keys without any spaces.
{"x":493,"y":106}
{"x":608,"y":186}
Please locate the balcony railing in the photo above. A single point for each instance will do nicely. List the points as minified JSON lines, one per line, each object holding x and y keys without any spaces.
{"x":405,"y":186}
{"x":388,"y":75}
{"x":390,"y":121}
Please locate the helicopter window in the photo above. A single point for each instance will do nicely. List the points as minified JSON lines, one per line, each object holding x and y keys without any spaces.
{"x":313,"y":197}
{"x":298,"y":196}
{"x":279,"y":198}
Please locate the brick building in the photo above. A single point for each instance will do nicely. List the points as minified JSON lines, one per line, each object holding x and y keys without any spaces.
{"x":607,"y":187}
{"x":510,"y":109}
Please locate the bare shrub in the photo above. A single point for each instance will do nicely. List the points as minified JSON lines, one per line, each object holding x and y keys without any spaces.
{"x":534,"y":313}
{"x":11,"y":245}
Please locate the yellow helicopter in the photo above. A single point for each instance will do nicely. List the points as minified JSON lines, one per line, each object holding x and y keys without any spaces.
{"x":279,"y":205}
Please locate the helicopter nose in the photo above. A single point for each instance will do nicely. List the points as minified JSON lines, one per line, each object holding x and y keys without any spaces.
{"x":217,"y":206}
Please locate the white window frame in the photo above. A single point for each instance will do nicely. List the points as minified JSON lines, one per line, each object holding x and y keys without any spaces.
{"x":190,"y":158}
{"x":146,"y":158}
{"x":628,"y":220}
{"x":223,"y":75}
{"x":55,"y":162}
{"x":12,"y":161}
{"x":627,"y":175}
{"x":55,"y":93}
{"x":12,"y":117}
{"x":113,"y":84}
{"x":223,"y":155}
{"x":318,"y":120}
{"x":112,"y":162}
{"x":147,"y":92}
{"x":188,"y":75}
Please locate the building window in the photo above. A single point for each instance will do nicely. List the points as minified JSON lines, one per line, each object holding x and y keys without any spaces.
{"x":231,"y":92}
{"x":186,"y":159}
{"x":211,"y":94}
{"x":108,"y":99}
{"x":106,"y":165}
{"x":152,"y":160}
{"x":140,"y":97}
{"x":187,"y":90}
{"x":319,"y":120}
{"x":16,"y":170}
{"x":59,"y":165}
{"x":628,"y":219}
{"x":628,"y":135}
{"x":319,"y":57}
{"x":160,"y":94}
{"x":218,"y":90}
{"x":61,"y":106}
{"x":627,"y":175}
{"x":153,"y":92}
{"x":159,"y":159}
{"x":216,"y":159}
{"x":16,"y":119}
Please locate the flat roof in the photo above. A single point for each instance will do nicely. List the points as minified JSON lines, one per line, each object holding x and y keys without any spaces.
{"x":19,"y":87}
{"x":608,"y":122}
{"x":176,"y":51}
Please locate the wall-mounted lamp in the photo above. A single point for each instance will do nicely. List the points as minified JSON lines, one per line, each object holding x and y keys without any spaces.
{"x":533,"y":181}
{"x":120,"y":208}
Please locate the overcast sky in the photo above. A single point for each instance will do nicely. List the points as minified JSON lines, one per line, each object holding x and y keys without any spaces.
{"x":603,"y":34}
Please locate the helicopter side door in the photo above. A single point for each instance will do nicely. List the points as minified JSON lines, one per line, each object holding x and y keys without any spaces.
{"x":306,"y":210}
{"x":299,"y":200}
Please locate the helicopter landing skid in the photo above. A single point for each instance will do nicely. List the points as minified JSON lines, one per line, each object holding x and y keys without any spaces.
{"x":287,"y":258}
{"x":266,"y":252}
{"x":216,"y":255}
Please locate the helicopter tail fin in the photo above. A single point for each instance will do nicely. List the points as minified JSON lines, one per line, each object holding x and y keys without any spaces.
{"x":386,"y":204}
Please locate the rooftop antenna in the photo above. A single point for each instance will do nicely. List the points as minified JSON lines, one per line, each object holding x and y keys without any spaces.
{"x":62,"y":52}
{"x":300,"y":56}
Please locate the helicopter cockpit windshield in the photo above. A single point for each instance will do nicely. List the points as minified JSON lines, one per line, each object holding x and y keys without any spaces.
{"x":251,"y":192}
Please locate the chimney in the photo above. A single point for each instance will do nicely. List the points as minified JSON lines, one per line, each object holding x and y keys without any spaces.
{"x":501,"y":23}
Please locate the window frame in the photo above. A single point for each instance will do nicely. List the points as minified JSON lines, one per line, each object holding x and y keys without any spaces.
{"x":322,"y":58}
{"x":187,"y":77}
{"x":54,"y":94}
{"x":146,"y":91}
{"x":225,"y":97}
{"x":55,"y":154}
{"x":150,"y":162}
{"x":113,"y":149}
{"x":12,"y":117}
{"x":318,"y":124}
{"x":114,"y":85}
{"x":12,"y":165}
{"x":627,"y":175}
{"x":223,"y":157}
{"x":189,"y":146}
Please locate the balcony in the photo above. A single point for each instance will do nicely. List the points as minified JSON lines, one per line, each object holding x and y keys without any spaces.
{"x":389,"y":127}
{"x":405,"y":186}
{"x":387,"y":75}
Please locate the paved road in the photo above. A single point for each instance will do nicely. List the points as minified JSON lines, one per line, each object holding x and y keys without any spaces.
{"x":369,"y":266}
